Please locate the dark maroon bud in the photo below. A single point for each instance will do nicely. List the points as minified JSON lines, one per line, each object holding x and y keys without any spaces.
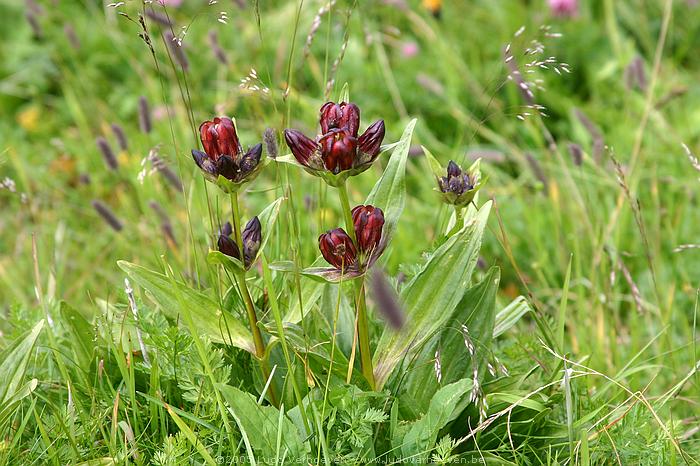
{"x":301,"y":146}
{"x":453,"y":169}
{"x":370,"y":142}
{"x":226,"y":244}
{"x":205,"y":163}
{"x":252,"y":237}
{"x":199,"y":157}
{"x":226,"y":167}
{"x":456,"y":182}
{"x":340,"y":116}
{"x":227,"y":229}
{"x":251,"y":159}
{"x":368,"y":221}
{"x":337,"y":248}
{"x":338,"y":150}
{"x":219,"y":138}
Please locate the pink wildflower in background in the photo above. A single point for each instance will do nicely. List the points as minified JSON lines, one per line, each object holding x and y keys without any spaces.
{"x":564,"y":7}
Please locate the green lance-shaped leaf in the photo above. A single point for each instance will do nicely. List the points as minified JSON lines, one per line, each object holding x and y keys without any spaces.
{"x":510,"y":315}
{"x":263,"y":427}
{"x":473,"y":320}
{"x":205,"y":312}
{"x":12,"y":371}
{"x":431,"y":296}
{"x":191,"y":436}
{"x":344,"y":95}
{"x":445,"y":406}
{"x":14,"y":363}
{"x":82,"y":334}
{"x":389,"y":193}
{"x":267,"y":218}
{"x":435,"y":166}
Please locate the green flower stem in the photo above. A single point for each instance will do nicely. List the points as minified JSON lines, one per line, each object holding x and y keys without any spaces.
{"x":360,"y":301}
{"x":459,"y":220}
{"x":363,"y":332}
{"x":247,"y":300}
{"x":252,"y":316}
{"x":267,"y":278}
{"x":237,"y":223}
{"x":345,"y":203}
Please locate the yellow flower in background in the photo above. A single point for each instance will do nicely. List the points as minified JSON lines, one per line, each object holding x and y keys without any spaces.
{"x":29,"y":118}
{"x":434,"y":6}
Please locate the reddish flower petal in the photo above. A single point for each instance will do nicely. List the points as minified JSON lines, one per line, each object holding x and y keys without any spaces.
{"x":219,"y":138}
{"x":371,"y":140}
{"x":338,"y":150}
{"x":337,"y":248}
{"x":301,"y":146}
{"x":368,"y":221}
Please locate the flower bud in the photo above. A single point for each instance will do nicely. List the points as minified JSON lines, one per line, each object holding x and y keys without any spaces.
{"x":251,"y":159}
{"x":223,"y":155}
{"x":337,"y":248}
{"x":219,"y":138}
{"x":453,"y":169}
{"x":456,"y":181}
{"x":204,"y":163}
{"x":340,"y":116}
{"x":368,"y":221}
{"x":371,"y":140}
{"x":226,"y":244}
{"x":338,"y":149}
{"x":252,"y":238}
{"x":301,"y":146}
{"x":226,"y":167}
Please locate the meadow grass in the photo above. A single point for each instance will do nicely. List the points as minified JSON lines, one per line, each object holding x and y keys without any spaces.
{"x":579,"y":348}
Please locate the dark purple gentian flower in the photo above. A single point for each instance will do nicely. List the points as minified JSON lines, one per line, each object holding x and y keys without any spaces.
{"x":223,"y":157}
{"x":353,"y":258}
{"x":338,"y":152}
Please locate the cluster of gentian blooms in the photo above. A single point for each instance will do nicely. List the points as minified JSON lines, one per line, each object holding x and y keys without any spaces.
{"x":337,"y":152}
{"x":460,"y":186}
{"x":354,"y":257}
{"x":223,"y":161}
